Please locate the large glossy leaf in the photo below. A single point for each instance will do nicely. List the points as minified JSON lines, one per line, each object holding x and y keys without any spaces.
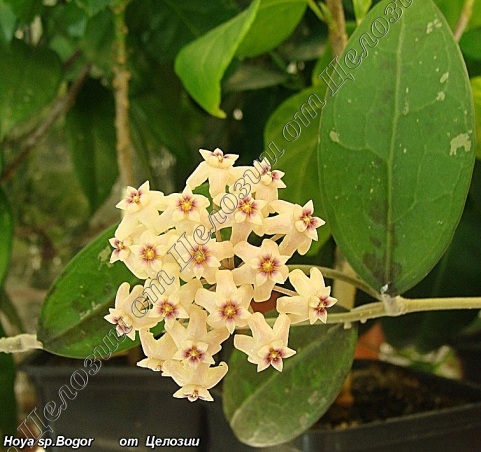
{"x":71,"y":320}
{"x":301,"y":113}
{"x":29,"y":79}
{"x":274,"y":22}
{"x":8,"y":22}
{"x":6,"y":235}
{"x":394,"y":165}
{"x":202,"y":63}
{"x":270,"y":407}
{"x":8,"y":413}
{"x":164,"y":27}
{"x":476,"y":87}
{"x":90,"y":127}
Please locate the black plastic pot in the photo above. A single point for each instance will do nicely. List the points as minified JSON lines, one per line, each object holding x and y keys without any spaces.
{"x":133,"y":403}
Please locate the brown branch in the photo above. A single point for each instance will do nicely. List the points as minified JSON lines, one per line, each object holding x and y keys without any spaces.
{"x":337,"y":28}
{"x":121,"y":92}
{"x":464,"y":19}
{"x":61,"y":106}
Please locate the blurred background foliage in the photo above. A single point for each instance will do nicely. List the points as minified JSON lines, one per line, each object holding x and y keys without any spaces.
{"x":60,"y":176}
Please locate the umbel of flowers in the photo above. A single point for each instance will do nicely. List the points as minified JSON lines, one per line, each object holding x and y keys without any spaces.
{"x":202,"y":277}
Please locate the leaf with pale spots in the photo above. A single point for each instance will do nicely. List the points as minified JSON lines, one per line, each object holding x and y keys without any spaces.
{"x":81,"y":297}
{"x":270,"y":407}
{"x":397,"y":147}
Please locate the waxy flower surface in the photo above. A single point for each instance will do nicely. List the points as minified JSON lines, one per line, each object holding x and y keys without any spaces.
{"x":205,"y":261}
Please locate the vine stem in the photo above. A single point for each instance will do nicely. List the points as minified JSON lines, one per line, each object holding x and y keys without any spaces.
{"x":337,"y":27}
{"x":121,"y":92}
{"x":464,"y":19}
{"x":20,"y":343}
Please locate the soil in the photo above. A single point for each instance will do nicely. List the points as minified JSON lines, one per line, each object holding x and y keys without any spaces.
{"x":380,"y":392}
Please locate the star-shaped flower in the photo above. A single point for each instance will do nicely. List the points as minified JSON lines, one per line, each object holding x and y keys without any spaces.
{"x":297,"y":223}
{"x":195,"y":383}
{"x":267,"y":346}
{"x":217,"y":168}
{"x":228,"y":305}
{"x":264,"y":266}
{"x":123,"y":314}
{"x":157,"y":351}
{"x":313,"y":300}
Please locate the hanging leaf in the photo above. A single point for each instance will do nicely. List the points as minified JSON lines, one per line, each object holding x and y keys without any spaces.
{"x":270,"y":407}
{"x":299,"y":116}
{"x":29,"y":79}
{"x":91,"y":132}
{"x":394,"y":168}
{"x":201,"y":64}
{"x":71,"y":321}
{"x":274,"y":22}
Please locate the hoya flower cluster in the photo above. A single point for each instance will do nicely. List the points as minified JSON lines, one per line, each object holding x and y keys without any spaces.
{"x":203,"y":278}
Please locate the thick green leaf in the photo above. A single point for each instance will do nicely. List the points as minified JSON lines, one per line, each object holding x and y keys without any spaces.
{"x":90,"y":127}
{"x":270,"y":407}
{"x":26,"y":10}
{"x":29,"y":79}
{"x":201,"y":64}
{"x":8,"y":22}
{"x":470,"y":44}
{"x":394,"y":165}
{"x":97,"y":43}
{"x":274,"y":22}
{"x":164,"y":29}
{"x":93,"y":7}
{"x":8,"y":413}
{"x":361,"y":7}
{"x":301,"y":113}
{"x":71,"y":320}
{"x":476,"y":87}
{"x":6,"y":235}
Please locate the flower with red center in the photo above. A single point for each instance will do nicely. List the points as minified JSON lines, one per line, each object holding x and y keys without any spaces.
{"x":148,"y":254}
{"x":123,"y":315}
{"x":267,"y":346}
{"x":228,"y":306}
{"x":297,"y":223}
{"x":194,"y":353}
{"x":205,"y":259}
{"x":313,"y":300}
{"x":217,"y":168}
{"x":195,"y":382}
{"x":185,"y":211}
{"x":265,"y":266}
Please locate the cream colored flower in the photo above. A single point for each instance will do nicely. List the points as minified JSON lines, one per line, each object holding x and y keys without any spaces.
{"x":157,"y":351}
{"x":313,"y":300}
{"x":267,"y":346}
{"x":264,"y":267}
{"x":217,"y":168}
{"x":195,"y":383}
{"x":228,"y":306}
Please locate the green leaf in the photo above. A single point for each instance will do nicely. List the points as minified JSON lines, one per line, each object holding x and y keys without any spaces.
{"x":274,"y":22}
{"x":476,"y":87}
{"x":29,"y":77}
{"x":26,"y":10}
{"x":361,"y":7}
{"x":6,"y":235}
{"x":201,"y":64}
{"x":8,"y":413}
{"x":71,"y":320}
{"x":93,"y":7}
{"x":163,"y":31}
{"x":8,"y":22}
{"x":270,"y":407}
{"x":10,"y":311}
{"x":301,"y":113}
{"x":397,"y":149}
{"x":470,"y":44}
{"x":250,"y":77}
{"x":91,"y":132}
{"x":97,"y":42}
